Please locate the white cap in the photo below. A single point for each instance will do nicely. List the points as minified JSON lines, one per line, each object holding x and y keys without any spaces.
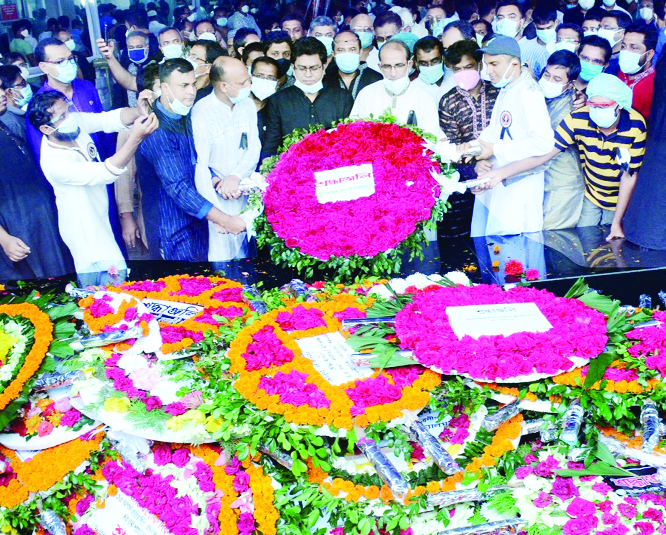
{"x":152,"y":13}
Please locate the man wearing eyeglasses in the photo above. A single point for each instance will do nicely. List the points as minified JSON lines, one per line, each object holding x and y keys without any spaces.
{"x":18,"y":94}
{"x":307,"y":102}
{"x":610,"y":138}
{"x":395,"y":93}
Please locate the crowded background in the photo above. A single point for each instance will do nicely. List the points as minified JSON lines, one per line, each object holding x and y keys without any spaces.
{"x":125,"y":133}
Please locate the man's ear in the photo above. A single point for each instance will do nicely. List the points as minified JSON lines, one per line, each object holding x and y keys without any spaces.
{"x":46,"y":129}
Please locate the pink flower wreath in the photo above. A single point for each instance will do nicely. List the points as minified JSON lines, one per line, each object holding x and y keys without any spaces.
{"x":404,"y":197}
{"x":423,"y":327}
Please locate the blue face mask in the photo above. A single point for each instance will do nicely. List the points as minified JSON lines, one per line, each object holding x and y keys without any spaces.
{"x":348,"y":62}
{"x":503,"y":81}
{"x":431,"y":74}
{"x":366,"y":38}
{"x":138,"y":55}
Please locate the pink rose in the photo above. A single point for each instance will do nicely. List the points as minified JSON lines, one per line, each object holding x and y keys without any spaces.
{"x":580,"y":526}
{"x":627,"y":511}
{"x":44,"y":428}
{"x":654,"y":514}
{"x":246,"y":523}
{"x":580,"y":507}
{"x":644,"y":528}
{"x":180,"y":457}
{"x":161,"y":454}
{"x":564,"y":489}
{"x":153,"y":402}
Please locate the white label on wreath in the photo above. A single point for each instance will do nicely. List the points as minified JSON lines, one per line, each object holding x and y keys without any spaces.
{"x":345,"y":183}
{"x":122,"y":515}
{"x":489,"y":320}
{"x":331,"y":357}
{"x":171,"y":311}
{"x":430,"y":420}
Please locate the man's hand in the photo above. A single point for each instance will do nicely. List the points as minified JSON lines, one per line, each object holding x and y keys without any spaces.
{"x":106,"y":49}
{"x":228,"y":188}
{"x":234,"y":224}
{"x":496,"y":176}
{"x":220,"y":229}
{"x":130,"y":229}
{"x":145,"y":100}
{"x":144,"y":126}
{"x":482,"y":166}
{"x":15,"y":249}
{"x":616,"y":232}
{"x":579,"y":99}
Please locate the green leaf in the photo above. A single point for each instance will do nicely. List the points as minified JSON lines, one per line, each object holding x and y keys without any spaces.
{"x":579,"y":288}
{"x":393,"y":362}
{"x":598,"y":367}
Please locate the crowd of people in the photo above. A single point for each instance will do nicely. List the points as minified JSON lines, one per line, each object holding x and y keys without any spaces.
{"x":551,"y":105}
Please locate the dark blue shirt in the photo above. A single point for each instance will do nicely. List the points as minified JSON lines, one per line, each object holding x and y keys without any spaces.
{"x":174,"y":211}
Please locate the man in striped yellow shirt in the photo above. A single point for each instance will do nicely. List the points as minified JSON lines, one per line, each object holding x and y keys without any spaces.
{"x":610,"y":138}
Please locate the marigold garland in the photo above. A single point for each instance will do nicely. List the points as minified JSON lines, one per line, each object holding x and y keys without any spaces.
{"x":575,"y":378}
{"x":633,"y":443}
{"x":45,"y":469}
{"x":500,"y":444}
{"x":43,"y":336}
{"x":413,"y":397}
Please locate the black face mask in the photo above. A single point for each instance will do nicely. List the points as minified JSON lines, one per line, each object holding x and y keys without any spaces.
{"x":283,"y":67}
{"x":69,"y":136}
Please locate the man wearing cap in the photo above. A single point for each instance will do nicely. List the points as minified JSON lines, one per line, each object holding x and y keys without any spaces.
{"x":396,"y":94}
{"x":610,"y":138}
{"x":519,"y":127}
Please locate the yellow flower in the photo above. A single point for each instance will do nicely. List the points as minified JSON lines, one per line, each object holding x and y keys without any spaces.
{"x":6,"y":343}
{"x":117,"y":404}
{"x":194,"y":416}
{"x":174,"y":423}
{"x":214,"y":424}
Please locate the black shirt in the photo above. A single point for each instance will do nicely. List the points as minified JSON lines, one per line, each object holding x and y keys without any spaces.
{"x":203,"y":92}
{"x":290,"y":109}
{"x":364,"y":77}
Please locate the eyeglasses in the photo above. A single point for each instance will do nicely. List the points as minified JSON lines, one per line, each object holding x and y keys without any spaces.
{"x":593,"y":61}
{"x":313,"y":70}
{"x":365,"y":29}
{"x":71,"y":59}
{"x":436,"y":61}
{"x":198,"y":61}
{"x":560,"y":40}
{"x":397,"y":66}
{"x":264,"y":77}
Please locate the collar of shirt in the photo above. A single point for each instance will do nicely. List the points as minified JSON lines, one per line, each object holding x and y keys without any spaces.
{"x":169,"y":114}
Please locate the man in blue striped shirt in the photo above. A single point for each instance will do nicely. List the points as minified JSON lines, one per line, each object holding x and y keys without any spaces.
{"x":510,"y":20}
{"x":173,"y":209}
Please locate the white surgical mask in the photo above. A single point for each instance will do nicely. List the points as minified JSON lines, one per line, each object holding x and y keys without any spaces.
{"x":254,"y":10}
{"x":25,"y":33}
{"x":67,"y":72}
{"x":479,"y":39}
{"x":603,"y":117}
{"x":348,"y":62}
{"x":176,"y":105}
{"x":245,"y":9}
{"x":70,"y":44}
{"x":586,"y":4}
{"x":609,"y":35}
{"x":69,"y":129}
{"x":432,"y":74}
{"x":629,"y":61}
{"x":222,"y":21}
{"x":397,"y":87}
{"x":173,"y":51}
{"x":262,"y":88}
{"x":192,"y":17}
{"x":25,"y":73}
{"x":565,"y":45}
{"x":243,"y":94}
{"x":26,"y":95}
{"x":506,"y":27}
{"x":547,"y":35}
{"x":207,"y":36}
{"x":609,"y":3}
{"x":550,"y":89}
{"x":646,"y":13}
{"x":327,"y":42}
{"x":503,"y":81}
{"x":309,"y":89}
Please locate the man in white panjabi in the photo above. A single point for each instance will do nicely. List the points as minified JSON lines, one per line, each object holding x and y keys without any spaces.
{"x":519,"y":128}
{"x":395,"y":93}
{"x":226,"y":138}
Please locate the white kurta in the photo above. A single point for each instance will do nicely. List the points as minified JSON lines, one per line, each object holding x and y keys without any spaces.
{"x":374,"y":100}
{"x":79,"y":182}
{"x":218,"y":134}
{"x":437,"y":91}
{"x":519,"y":128}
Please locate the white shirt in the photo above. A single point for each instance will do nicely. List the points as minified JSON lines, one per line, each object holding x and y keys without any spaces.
{"x":373,"y":60}
{"x":437,"y":91}
{"x":374,"y":100}
{"x":519,"y":128}
{"x":154,"y":27}
{"x":419,"y":30}
{"x":616,"y":8}
{"x":218,"y":139}
{"x":79,"y":182}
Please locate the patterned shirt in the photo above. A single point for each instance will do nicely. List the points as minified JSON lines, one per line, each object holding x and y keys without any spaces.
{"x":462,"y":117}
{"x":173,"y":209}
{"x":599,"y":153}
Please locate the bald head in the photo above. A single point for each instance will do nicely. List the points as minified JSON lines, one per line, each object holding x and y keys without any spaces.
{"x":394,"y":46}
{"x":361,"y":23}
{"x":226,"y":68}
{"x":347,"y":39}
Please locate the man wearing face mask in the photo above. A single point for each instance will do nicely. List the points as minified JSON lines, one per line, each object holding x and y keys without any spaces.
{"x":610,"y":139}
{"x":79,"y":176}
{"x":346,"y":69}
{"x":323,"y":29}
{"x":362,"y":25}
{"x":564,"y":185}
{"x":86,"y":69}
{"x":545,"y":20}
{"x":575,"y":12}
{"x":464,"y":112}
{"x":227,"y":143}
{"x":395,"y":93}
{"x":636,"y":68}
{"x":174,"y":211}
{"x":265,"y":71}
{"x":137,"y":51}
{"x":171,"y":43}
{"x":594,"y":55}
{"x":436,"y":20}
{"x":242,"y":18}
{"x":519,"y":126}
{"x":18,"y":94}
{"x":308,"y":101}
{"x":613,"y":25}
{"x":510,"y":21}
{"x":611,"y":5}
{"x":568,"y":37}
{"x":202,"y":56}
{"x":385,"y":26}
{"x":19,"y":43}
{"x":433,"y":77}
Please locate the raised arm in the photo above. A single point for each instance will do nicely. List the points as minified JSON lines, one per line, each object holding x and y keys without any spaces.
{"x":122,"y":75}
